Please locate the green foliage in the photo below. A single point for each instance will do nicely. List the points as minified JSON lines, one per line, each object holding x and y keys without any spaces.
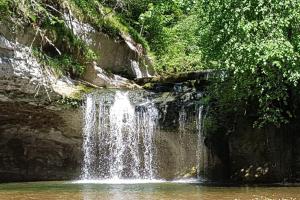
{"x":171,"y":30}
{"x":166,"y":25}
{"x":4,"y":7}
{"x":154,"y":21}
{"x":257,"y":44}
{"x":75,"y":100}
{"x":182,"y":52}
{"x":70,"y":102}
{"x":65,"y":64}
{"x":62,"y":65}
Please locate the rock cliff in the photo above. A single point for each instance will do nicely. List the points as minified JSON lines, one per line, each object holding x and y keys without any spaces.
{"x":40,"y":115}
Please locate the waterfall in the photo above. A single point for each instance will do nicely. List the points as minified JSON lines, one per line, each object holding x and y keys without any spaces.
{"x":200,"y":148}
{"x":89,"y":137}
{"x":118,"y":137}
{"x":182,"y":120}
{"x":136,"y":68}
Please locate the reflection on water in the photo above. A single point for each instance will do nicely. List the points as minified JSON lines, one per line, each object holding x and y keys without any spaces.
{"x":155,"y":191}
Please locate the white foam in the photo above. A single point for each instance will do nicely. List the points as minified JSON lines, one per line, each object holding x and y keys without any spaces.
{"x":119,"y":181}
{"x":135,"y":181}
{"x":190,"y":180}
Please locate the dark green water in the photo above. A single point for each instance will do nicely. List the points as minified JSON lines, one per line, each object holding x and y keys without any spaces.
{"x":161,"y":191}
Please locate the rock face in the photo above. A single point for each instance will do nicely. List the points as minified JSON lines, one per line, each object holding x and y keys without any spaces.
{"x":22,"y":75}
{"x":38,"y":143}
{"x":20,"y":72}
{"x":99,"y":77}
{"x":123,"y":57}
{"x":40,"y":140}
{"x":177,"y":140}
{"x":251,"y":155}
{"x":265,"y":155}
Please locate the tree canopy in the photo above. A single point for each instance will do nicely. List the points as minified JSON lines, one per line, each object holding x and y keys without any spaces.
{"x":257,"y":43}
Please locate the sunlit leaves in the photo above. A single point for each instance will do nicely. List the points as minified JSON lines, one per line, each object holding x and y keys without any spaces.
{"x":258,"y":41}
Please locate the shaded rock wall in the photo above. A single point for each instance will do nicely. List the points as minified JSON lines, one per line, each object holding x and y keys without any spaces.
{"x":177,"y":136}
{"x":296,"y":159}
{"x":38,"y":143}
{"x":251,"y":155}
{"x":178,"y":139}
{"x":214,"y":163}
{"x":265,"y":155}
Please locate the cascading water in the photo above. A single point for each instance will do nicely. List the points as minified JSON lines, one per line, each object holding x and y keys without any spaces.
{"x":136,"y":69}
{"x":118,"y":138}
{"x":182,"y":120}
{"x":201,"y":154}
{"x":89,"y":143}
{"x":122,"y":140}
